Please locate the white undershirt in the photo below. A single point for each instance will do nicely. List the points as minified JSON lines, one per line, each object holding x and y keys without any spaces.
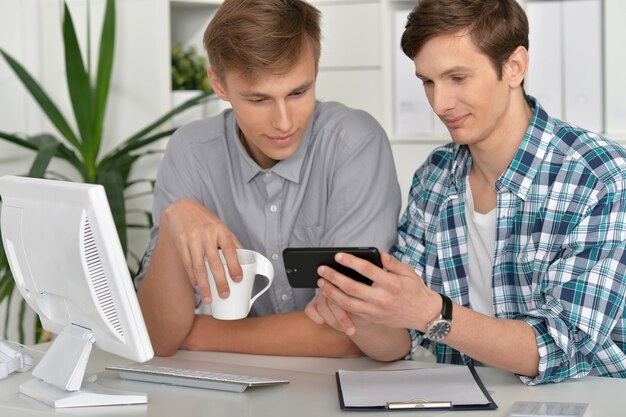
{"x":481,"y":243}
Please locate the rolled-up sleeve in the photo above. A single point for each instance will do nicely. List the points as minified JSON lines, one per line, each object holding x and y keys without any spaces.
{"x":579,"y":323}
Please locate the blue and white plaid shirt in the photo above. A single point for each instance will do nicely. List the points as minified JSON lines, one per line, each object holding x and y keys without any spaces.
{"x":560,"y":258}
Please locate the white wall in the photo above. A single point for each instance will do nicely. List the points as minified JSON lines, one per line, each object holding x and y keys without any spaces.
{"x":615,"y":62}
{"x":356,"y":68}
{"x":17,"y":112}
{"x":410,"y":152}
{"x":31,"y":32}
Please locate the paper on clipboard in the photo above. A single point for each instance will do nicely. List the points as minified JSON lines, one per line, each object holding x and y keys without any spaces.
{"x":457,"y":385}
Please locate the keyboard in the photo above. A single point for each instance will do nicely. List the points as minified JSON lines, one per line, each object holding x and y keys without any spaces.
{"x":192,"y":378}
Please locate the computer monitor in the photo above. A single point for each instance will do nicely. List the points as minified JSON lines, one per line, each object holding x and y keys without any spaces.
{"x":68,"y":264}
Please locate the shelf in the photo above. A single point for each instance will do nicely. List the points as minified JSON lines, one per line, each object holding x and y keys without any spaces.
{"x":189,"y":19}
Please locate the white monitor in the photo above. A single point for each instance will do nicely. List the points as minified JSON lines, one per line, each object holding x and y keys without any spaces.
{"x":68,"y":264}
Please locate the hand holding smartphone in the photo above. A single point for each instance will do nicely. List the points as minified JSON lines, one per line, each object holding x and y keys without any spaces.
{"x":301,"y":264}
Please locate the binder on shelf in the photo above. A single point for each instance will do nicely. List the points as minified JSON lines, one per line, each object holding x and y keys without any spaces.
{"x":456,"y":387}
{"x":412,"y":113}
{"x":567,"y":74}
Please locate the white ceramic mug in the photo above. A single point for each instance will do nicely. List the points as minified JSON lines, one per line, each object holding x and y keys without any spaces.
{"x":237,"y":305}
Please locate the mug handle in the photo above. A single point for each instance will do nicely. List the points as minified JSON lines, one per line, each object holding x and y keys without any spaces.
{"x":263,"y":267}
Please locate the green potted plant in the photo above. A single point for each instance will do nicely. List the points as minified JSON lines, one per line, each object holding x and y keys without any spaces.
{"x":189,"y":69}
{"x":189,"y":79}
{"x":81,"y":147}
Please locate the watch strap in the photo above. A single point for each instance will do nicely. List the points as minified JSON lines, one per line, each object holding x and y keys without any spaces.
{"x":446,"y":309}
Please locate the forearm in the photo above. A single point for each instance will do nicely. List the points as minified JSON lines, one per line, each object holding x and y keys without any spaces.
{"x":382,"y":343}
{"x":290,"y":334}
{"x":166,"y":299}
{"x":506,"y":344}
{"x":398,"y":298}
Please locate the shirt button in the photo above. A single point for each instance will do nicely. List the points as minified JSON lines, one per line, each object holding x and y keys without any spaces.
{"x":268,"y":174}
{"x":275,"y":256}
{"x":273,"y":208}
{"x":284,"y":297}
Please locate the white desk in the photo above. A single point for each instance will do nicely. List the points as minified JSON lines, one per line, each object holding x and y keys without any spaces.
{"x":311,"y":392}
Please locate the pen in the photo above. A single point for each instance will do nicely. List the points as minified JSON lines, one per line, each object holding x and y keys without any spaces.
{"x":418,"y":404}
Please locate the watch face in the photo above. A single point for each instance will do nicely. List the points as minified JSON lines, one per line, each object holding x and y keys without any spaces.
{"x":438,"y":330}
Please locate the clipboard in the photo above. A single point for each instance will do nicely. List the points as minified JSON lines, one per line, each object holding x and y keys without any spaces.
{"x":455,"y":388}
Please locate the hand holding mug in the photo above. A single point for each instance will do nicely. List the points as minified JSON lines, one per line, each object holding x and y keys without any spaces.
{"x":197,"y":233}
{"x":238,"y":303}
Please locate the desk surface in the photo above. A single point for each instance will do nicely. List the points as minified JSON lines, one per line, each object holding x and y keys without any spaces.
{"x":311,"y":392}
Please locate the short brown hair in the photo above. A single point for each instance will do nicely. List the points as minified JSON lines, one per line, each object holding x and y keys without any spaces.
{"x":252,"y":37}
{"x":497,"y":27}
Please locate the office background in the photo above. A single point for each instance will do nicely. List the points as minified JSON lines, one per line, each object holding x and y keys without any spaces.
{"x":577,"y":61}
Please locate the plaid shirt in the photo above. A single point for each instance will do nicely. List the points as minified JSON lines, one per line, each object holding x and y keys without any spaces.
{"x":560,"y":258}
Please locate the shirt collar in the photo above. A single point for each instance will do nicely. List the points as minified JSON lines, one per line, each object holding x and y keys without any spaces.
{"x":522,"y":170}
{"x":289,"y":168}
{"x":461,"y":164}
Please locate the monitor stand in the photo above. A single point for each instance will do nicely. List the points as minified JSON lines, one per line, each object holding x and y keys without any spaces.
{"x":59,"y":375}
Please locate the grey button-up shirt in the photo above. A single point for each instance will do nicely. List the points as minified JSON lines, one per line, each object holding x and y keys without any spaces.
{"x":339,"y":189}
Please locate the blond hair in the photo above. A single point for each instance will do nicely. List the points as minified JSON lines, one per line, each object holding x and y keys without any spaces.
{"x":253,"y":37}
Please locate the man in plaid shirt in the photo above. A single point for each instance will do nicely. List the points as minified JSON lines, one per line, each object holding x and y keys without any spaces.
{"x":520,"y":221}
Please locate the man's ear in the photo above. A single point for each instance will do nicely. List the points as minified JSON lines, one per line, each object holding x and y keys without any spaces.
{"x":516,"y":66}
{"x":216,"y":84}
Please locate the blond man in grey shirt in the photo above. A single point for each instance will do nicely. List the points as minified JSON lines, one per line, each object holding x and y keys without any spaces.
{"x":280,"y":169}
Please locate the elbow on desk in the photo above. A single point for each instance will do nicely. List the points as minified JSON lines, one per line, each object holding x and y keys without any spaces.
{"x":163,"y":345}
{"x":396,"y":350}
{"x":385,"y":356}
{"x":164,"y":349}
{"x":348,"y":350}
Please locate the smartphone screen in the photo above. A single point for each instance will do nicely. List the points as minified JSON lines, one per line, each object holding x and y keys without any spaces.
{"x":301,"y":264}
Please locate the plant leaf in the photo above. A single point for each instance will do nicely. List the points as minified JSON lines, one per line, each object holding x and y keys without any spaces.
{"x":24,"y":143}
{"x":114,"y":187}
{"x":40,"y":96}
{"x":7,"y":285}
{"x":47,"y":149}
{"x":20,"y":319}
{"x":105,"y":65}
{"x":34,"y":142}
{"x":139,"y":141}
{"x":62,"y":151}
{"x":205,"y":96}
{"x":122,"y":166}
{"x":78,"y":86}
{"x":128,"y":147}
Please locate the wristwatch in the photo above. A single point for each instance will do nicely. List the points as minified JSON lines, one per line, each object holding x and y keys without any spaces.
{"x":440,"y":327}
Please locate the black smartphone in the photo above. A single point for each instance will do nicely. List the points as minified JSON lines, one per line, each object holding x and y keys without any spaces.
{"x":301,"y":264}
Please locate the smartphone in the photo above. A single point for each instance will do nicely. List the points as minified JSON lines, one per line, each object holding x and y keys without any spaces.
{"x":301,"y":264}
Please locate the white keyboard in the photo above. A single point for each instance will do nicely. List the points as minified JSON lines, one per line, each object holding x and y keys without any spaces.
{"x":192,"y":378}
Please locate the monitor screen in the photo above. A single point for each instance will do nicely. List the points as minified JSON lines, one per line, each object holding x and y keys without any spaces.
{"x":68,"y":264}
